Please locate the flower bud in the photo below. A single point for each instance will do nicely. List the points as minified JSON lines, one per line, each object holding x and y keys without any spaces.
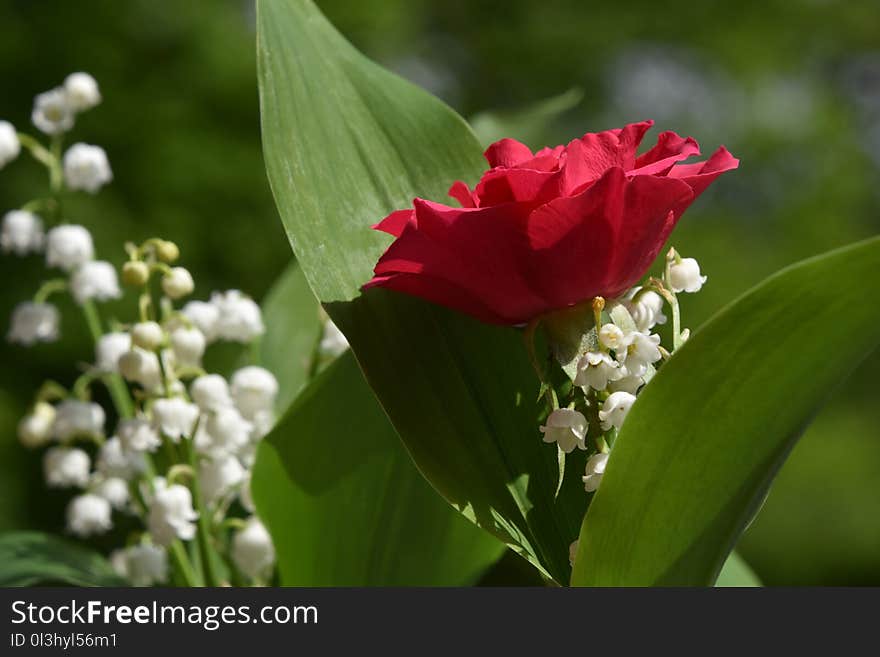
{"x":594,"y":471}
{"x":141,"y":366}
{"x":567,"y":428}
{"x":88,"y":514}
{"x":10,"y":147}
{"x":147,"y":335}
{"x":167,"y":251}
{"x":34,"y":322}
{"x":66,"y":466}
{"x":35,"y":429}
{"x":82,"y":91}
{"x":684,"y":276}
{"x":252,"y":549}
{"x":22,"y":233}
{"x":135,"y":273}
{"x":177,"y":283}
{"x":86,"y":168}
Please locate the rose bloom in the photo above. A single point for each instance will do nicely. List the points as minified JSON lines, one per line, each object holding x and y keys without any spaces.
{"x":545,"y":231}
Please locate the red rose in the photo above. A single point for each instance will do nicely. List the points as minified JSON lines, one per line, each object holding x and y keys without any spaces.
{"x":545,"y":231}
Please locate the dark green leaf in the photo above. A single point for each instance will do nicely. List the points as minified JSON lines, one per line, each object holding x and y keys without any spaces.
{"x":736,"y":573}
{"x":32,"y":558}
{"x":705,"y":439}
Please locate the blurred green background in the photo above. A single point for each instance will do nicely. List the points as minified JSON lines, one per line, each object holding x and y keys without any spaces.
{"x":791,"y":87}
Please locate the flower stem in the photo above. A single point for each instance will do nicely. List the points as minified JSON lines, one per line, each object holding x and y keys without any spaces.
{"x":115,"y":385}
{"x":181,"y":560}
{"x":209,"y":557}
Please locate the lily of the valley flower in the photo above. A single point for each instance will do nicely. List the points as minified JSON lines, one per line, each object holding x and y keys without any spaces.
{"x":34,"y":322}
{"x":171,"y":513}
{"x":684,"y":276}
{"x":596,"y":370}
{"x":68,"y":246}
{"x":143,"y":564}
{"x":615,"y":409}
{"x":74,"y":418}
{"x":35,"y":429}
{"x":567,"y":428}
{"x":10,"y":147}
{"x":95,"y":280}
{"x":66,"y":466}
{"x":175,"y":417}
{"x":89,"y":514}
{"x":82,"y":91}
{"x":22,"y":233}
{"x":252,"y":549}
{"x":594,"y":471}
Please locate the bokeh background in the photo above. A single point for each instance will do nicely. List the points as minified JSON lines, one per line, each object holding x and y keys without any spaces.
{"x":790,"y":86}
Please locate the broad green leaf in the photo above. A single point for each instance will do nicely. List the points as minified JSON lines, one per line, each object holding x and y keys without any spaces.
{"x":527,"y":124}
{"x":703,"y":442}
{"x":347,"y":142}
{"x":736,"y":573}
{"x":346,"y":506}
{"x":32,"y":558}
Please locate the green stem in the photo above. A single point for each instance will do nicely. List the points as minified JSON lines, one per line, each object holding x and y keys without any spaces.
{"x":49,"y":288}
{"x":204,"y":526}
{"x":181,"y":561}
{"x":115,"y":385}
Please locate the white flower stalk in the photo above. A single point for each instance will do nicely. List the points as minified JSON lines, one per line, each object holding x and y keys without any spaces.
{"x":643,"y":350}
{"x":684,"y":276}
{"x":89,"y":514}
{"x":147,"y":335}
{"x":95,"y":280}
{"x":210,"y":392}
{"x":252,"y":549}
{"x":142,"y":565}
{"x":615,"y":409}
{"x":35,"y":428}
{"x":254,"y":390}
{"x":175,"y":417}
{"x":567,"y":428}
{"x":204,"y":316}
{"x":138,"y":435}
{"x":333,"y":341}
{"x":142,"y":367}
{"x":69,"y":246}
{"x":34,"y":322}
{"x":74,"y":418}
{"x":82,"y":91}
{"x":238,"y":318}
{"x":596,"y":369}
{"x":645,"y":308}
{"x":594,"y":471}
{"x":52,"y":113}
{"x":86,"y":168}
{"x":10,"y":147}
{"x":22,"y":233}
{"x":109,"y":349}
{"x":219,"y":476}
{"x":177,"y":283}
{"x":226,"y":432}
{"x":65,"y":467}
{"x":115,"y":461}
{"x":188,"y":345}
{"x":171,"y":515}
{"x":114,"y":490}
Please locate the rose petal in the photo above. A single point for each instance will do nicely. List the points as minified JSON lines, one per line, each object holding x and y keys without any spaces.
{"x":395,"y":222}
{"x":507,"y":153}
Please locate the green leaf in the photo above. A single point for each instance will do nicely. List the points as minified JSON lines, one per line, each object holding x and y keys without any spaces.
{"x":344,"y":503}
{"x":737,"y":573}
{"x":347,"y":142}
{"x":704,"y":440}
{"x":528,"y":124}
{"x":32,"y":558}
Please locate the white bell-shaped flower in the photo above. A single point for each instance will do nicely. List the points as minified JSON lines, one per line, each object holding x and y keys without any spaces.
{"x":627,"y":383}
{"x":210,"y":392}
{"x":595,"y":370}
{"x":77,"y":418}
{"x":204,"y":316}
{"x":52,"y":113}
{"x":95,"y":280}
{"x":594,"y":471}
{"x":10,"y":147}
{"x":171,"y":514}
{"x":239,"y":318}
{"x":147,"y":335}
{"x":643,"y":350}
{"x":22,"y":233}
{"x":175,"y":417}
{"x":35,"y":428}
{"x":82,"y":91}
{"x":138,"y":435}
{"x":645,"y":308}
{"x":219,"y":476}
{"x":89,"y":514}
{"x":177,"y":283}
{"x":64,"y":467}
{"x":333,"y":341}
{"x":188,"y":345}
{"x":254,"y":390}
{"x":86,"y":168}
{"x":141,"y":366}
{"x":109,"y":349}
{"x":142,"y":565}
{"x":613,"y":337}
{"x":252,"y":549}
{"x":114,"y":490}
{"x":226,"y":432}
{"x":115,"y":461}
{"x":615,"y":409}
{"x":34,"y":322}
{"x":68,"y":246}
{"x":684,"y":276}
{"x":567,"y":428}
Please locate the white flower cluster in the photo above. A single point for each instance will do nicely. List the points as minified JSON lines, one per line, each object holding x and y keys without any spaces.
{"x":181,"y":456}
{"x":611,"y":375}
